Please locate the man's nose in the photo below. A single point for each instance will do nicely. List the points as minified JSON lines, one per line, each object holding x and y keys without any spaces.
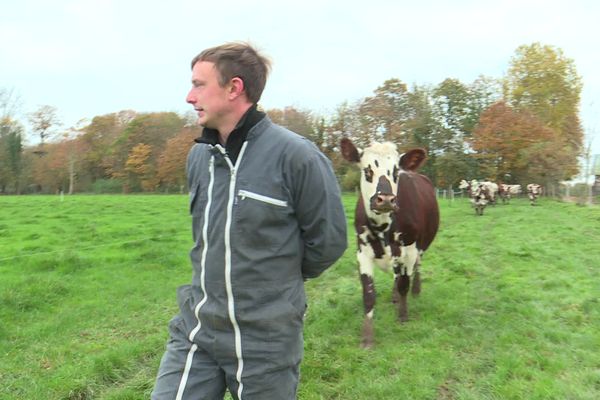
{"x":190,"y":98}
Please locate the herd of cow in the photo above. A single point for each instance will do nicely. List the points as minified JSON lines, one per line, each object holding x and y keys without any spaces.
{"x":486,"y":192}
{"x":397,"y":218}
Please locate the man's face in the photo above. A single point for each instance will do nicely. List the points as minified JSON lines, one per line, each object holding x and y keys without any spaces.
{"x":209,"y":99}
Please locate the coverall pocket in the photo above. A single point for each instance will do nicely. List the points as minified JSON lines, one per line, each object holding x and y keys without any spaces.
{"x":262,"y":218}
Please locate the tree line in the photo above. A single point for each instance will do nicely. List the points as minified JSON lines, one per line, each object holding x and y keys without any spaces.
{"x":520,"y":128}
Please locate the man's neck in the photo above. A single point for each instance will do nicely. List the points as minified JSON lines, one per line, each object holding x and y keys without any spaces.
{"x":229,"y":126}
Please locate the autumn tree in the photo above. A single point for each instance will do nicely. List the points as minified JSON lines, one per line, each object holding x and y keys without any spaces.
{"x":171,"y":172}
{"x":50,"y":173}
{"x":140,"y":171}
{"x":387,"y":111}
{"x":97,"y":139}
{"x":515,"y":143}
{"x":544,"y":82}
{"x":43,"y":120}
{"x":152,"y":129}
{"x":301,"y":122}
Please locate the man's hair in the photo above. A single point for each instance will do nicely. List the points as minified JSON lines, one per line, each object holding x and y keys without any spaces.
{"x":242,"y":60}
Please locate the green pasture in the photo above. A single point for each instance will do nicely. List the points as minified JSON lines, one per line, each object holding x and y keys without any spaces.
{"x":509,"y":309}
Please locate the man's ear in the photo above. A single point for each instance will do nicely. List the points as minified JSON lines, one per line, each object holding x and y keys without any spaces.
{"x":236,"y":87}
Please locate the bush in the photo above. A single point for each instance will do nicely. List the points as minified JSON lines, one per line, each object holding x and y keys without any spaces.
{"x":107,"y":186}
{"x":351,"y":180}
{"x":581,"y":193}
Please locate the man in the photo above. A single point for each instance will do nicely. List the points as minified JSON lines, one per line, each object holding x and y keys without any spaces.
{"x":266,"y":215}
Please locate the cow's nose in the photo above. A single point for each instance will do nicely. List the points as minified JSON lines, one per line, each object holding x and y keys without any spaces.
{"x":383,"y":202}
{"x":383,"y":199}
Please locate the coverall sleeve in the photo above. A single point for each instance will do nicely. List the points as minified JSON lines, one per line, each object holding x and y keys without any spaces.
{"x":320,"y":213}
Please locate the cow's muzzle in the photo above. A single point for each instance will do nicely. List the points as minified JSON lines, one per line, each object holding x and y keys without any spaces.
{"x":383,"y":203}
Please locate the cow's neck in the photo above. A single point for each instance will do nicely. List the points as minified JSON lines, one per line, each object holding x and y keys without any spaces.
{"x":379,"y":222}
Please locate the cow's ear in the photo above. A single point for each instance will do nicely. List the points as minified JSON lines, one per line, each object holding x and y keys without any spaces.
{"x":349,"y":150}
{"x":413,"y":159}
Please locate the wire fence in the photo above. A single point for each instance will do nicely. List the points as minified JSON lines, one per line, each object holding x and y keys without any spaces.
{"x":580,"y":194}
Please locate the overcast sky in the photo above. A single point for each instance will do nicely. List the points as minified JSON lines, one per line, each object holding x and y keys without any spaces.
{"x":93,"y":57}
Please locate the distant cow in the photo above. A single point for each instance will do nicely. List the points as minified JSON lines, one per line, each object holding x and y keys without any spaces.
{"x":534,"y":191}
{"x":491,"y":191}
{"x":481,"y":193}
{"x":396,"y":219}
{"x":465,"y":185}
{"x":507,"y":191}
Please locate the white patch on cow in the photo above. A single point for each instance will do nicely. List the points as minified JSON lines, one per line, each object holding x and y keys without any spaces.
{"x":364,"y":235}
{"x":380,"y":219}
{"x":367,"y":260}
{"x":409,"y":256}
{"x":492,"y":188}
{"x":387,"y":158}
{"x":479,"y":201}
{"x":365,"y":257}
{"x":385,"y":263}
{"x":370,"y":314}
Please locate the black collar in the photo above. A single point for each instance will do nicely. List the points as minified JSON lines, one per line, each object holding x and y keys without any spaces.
{"x":237,"y":136}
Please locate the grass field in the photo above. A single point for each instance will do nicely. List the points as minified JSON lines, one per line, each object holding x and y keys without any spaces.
{"x":510,"y":307}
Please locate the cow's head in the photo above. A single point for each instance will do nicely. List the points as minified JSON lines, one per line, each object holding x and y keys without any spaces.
{"x":379,"y":173}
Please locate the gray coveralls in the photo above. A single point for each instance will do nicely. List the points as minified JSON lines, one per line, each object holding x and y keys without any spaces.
{"x":260,"y":227}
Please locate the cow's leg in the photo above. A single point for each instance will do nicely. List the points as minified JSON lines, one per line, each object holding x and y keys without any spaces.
{"x":416,"y":280}
{"x":403,"y":271}
{"x":395,"y":292}
{"x":365,"y":262}
{"x":402,"y":285}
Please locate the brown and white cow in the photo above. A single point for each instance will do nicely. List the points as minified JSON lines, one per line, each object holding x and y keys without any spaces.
{"x":534,"y":191}
{"x":507,"y":191}
{"x":396,"y":219}
{"x":481,"y":193}
{"x":491,"y":190}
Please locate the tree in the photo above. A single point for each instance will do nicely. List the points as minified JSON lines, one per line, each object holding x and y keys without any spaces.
{"x":171,"y":171}
{"x":75,"y":150}
{"x":387,"y":111}
{"x":451,"y":168}
{"x":152,"y":129}
{"x":11,"y":141}
{"x":300,"y":121}
{"x":10,"y":103}
{"x":97,"y":138}
{"x":544,"y":82}
{"x":139,"y":169}
{"x":419,"y":129}
{"x":508,"y":141}
{"x":11,"y":151}
{"x":43,"y":120}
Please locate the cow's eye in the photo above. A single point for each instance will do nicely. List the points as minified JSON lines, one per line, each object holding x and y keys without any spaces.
{"x":368,"y":174}
{"x":395,"y":174}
